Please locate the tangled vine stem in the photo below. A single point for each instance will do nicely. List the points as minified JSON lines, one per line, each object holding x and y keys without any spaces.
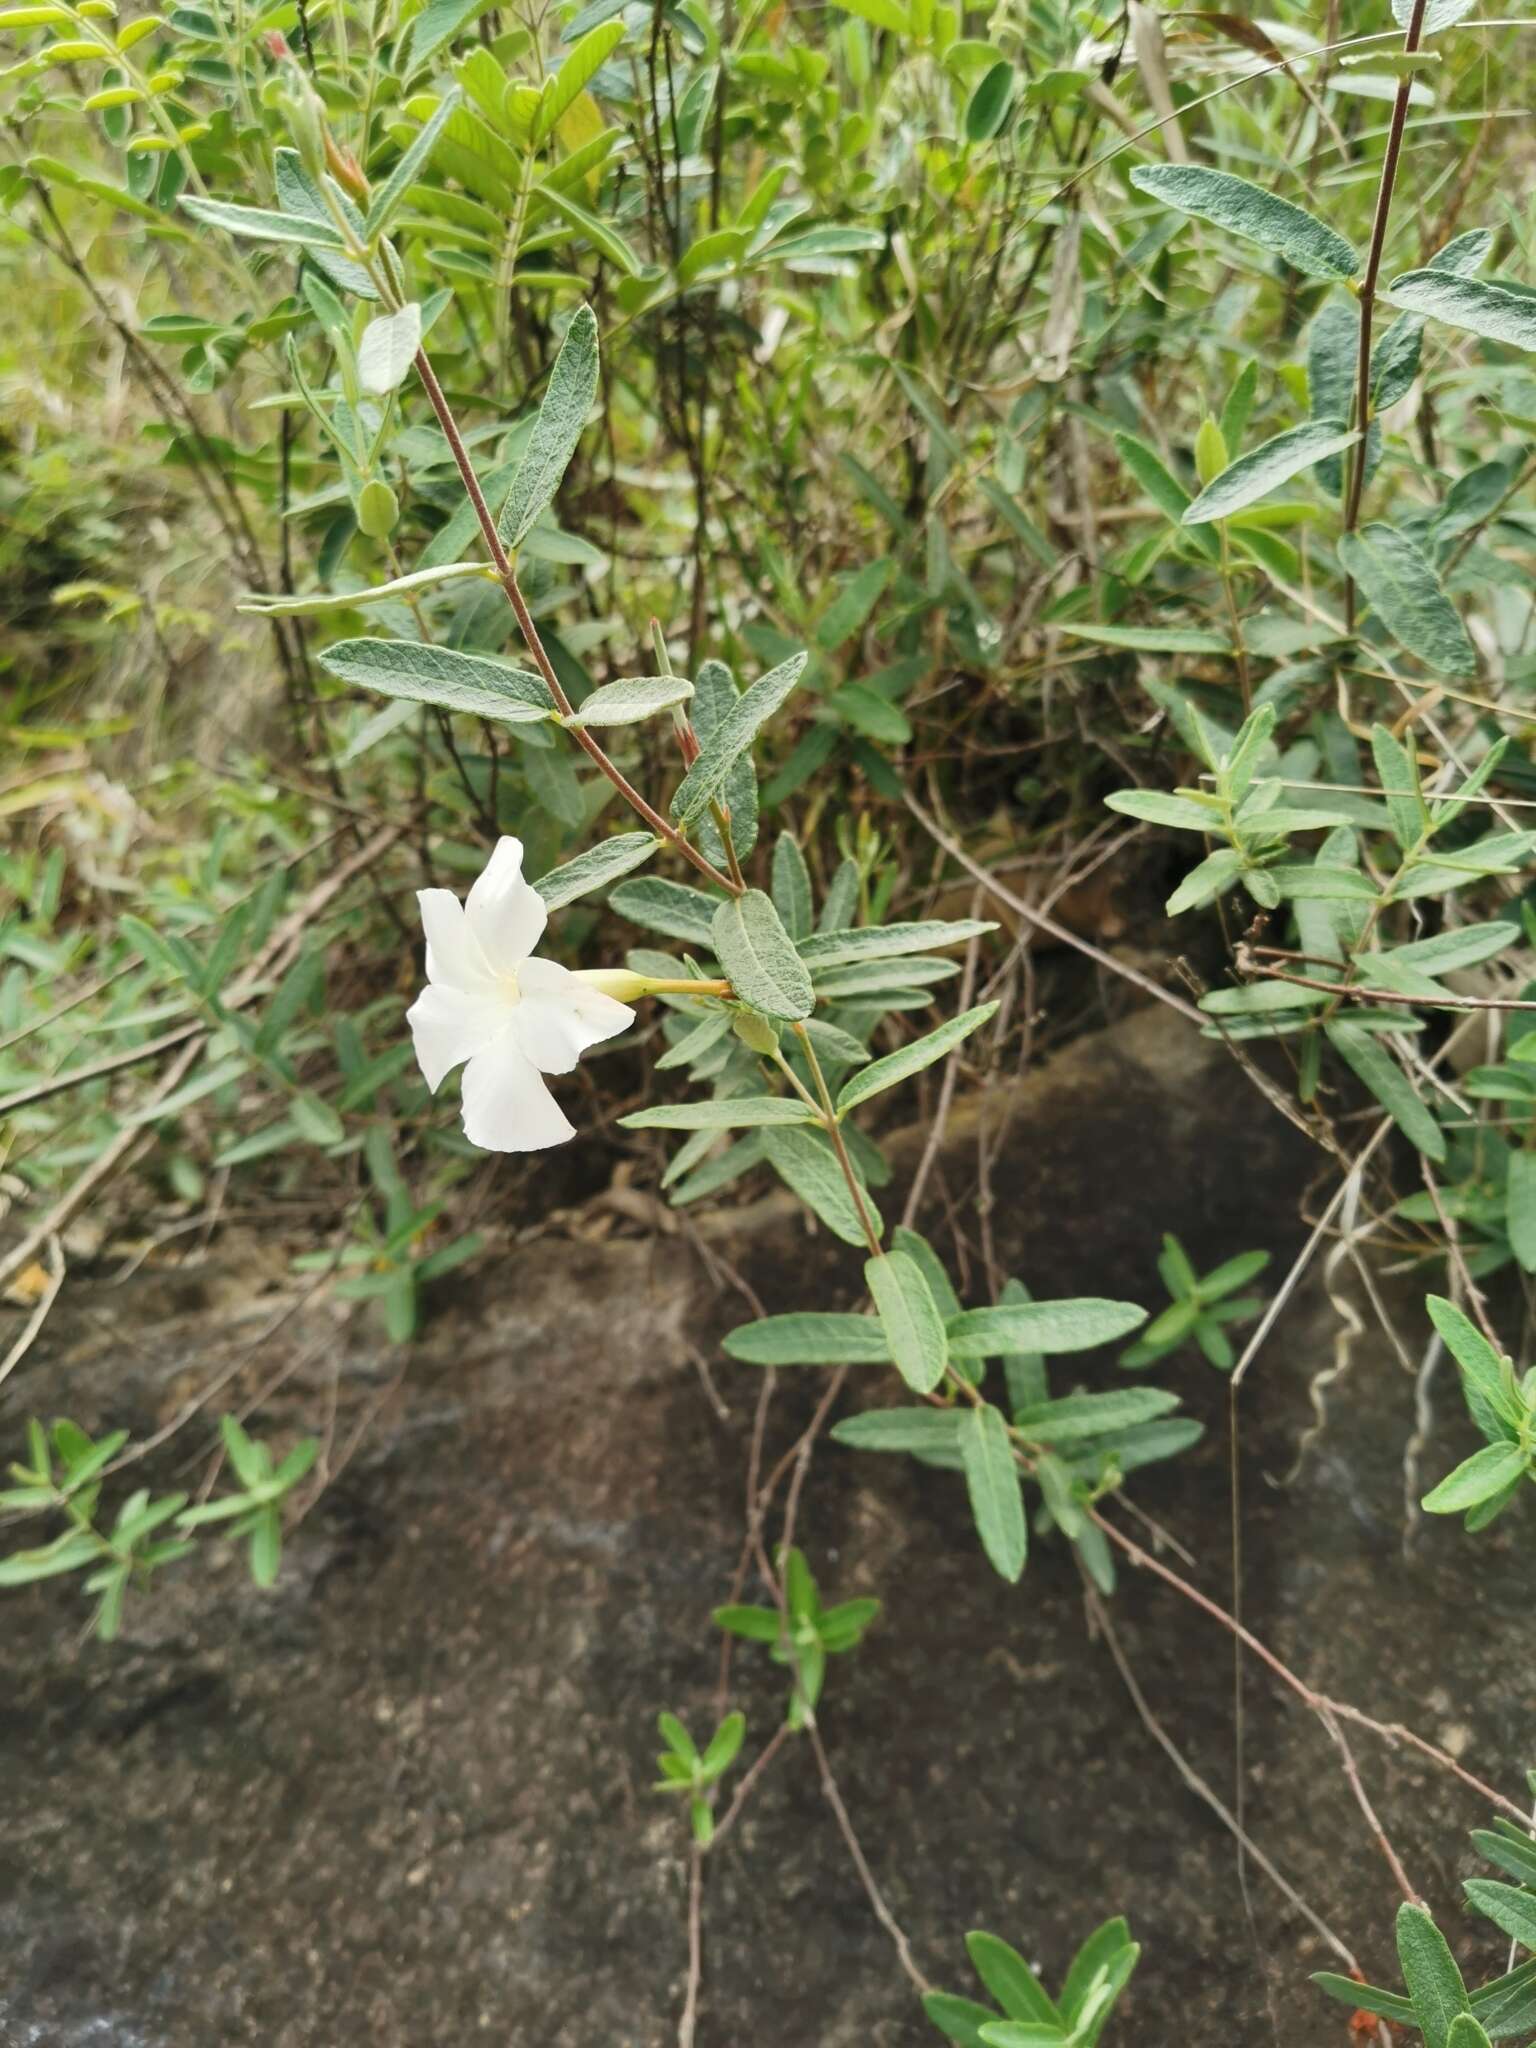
{"x":507,"y":575}
{"x":1391,"y":1732}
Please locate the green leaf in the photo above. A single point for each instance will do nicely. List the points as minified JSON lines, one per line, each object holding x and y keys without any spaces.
{"x":909,"y":1316}
{"x":258,"y":225}
{"x":562,"y":415}
{"x":1490,"y":310}
{"x":577,"y":70}
{"x":631,"y":699}
{"x":1484,"y":1474}
{"x":387,"y":350}
{"x":1153,"y":807}
{"x":1048,"y":1326}
{"x":472,"y":683}
{"x":1079,"y":1416}
{"x":1350,"y":1991}
{"x":958,"y":2019}
{"x":1255,"y":475}
{"x":1437,"y":15}
{"x":1399,"y":775}
{"x":1511,"y":1909}
{"x":1010,"y":1980}
{"x":888,"y":942}
{"x":1374,"y":1065}
{"x":595,"y":868}
{"x":1307,"y":244}
{"x":1148,"y":639}
{"x":1430,"y":1973}
{"x":273,"y":605}
{"x":992,"y":1481}
{"x":989,"y":104}
{"x":731,"y":738}
{"x":70,"y":1552}
{"x":805,"y":1161}
{"x":922,"y":1430}
{"x":1520,"y":1205}
{"x":759,"y":957}
{"x":387,"y":200}
{"x":923,"y":1255}
{"x":810,"y":1337}
{"x":792,"y":887}
{"x":733,"y":1113}
{"x":1105,"y":1949}
{"x":851,"y":607}
{"x":671,"y":908}
{"x":1405,"y":594}
{"x":598,"y":232}
{"x":1464,"y":2030}
{"x":1486,"y":1379}
{"x":900,"y":1066}
{"x":715,"y":696}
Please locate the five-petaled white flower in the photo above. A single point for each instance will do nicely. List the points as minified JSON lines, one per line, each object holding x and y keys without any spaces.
{"x":513,"y":1018}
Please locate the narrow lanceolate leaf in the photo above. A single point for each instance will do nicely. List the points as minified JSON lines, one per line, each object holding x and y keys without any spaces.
{"x":1011,"y":1981}
{"x":1437,"y":15}
{"x":807,"y":1165}
{"x":1465,"y":2031}
{"x":1154,"y":807}
{"x":258,"y":225}
{"x":909,"y":1316}
{"x":1487,"y":1381}
{"x":1491,"y":310}
{"x":992,"y":1481}
{"x":671,"y":908}
{"x":442,"y":676}
{"x":387,"y":350}
{"x":1508,"y":1907}
{"x":1046,"y":1326}
{"x":1364,"y":1052}
{"x":273,"y":605}
{"x":1399,"y":776}
{"x":1484,"y":1474}
{"x":595,"y":868}
{"x":715,"y":696}
{"x":731,"y":738}
{"x":809,"y":1337}
{"x":1430,"y":1973}
{"x":1520,"y":1206}
{"x":734,"y":1113}
{"x":631,"y":699}
{"x":888,"y":941}
{"x":915,"y":1430}
{"x":759,"y":957}
{"x":580,"y":66}
{"x":1306,"y":243}
{"x":418,"y":153}
{"x":1148,"y":639}
{"x":562,"y":415}
{"x":1405,"y":594}
{"x":1263,"y":470}
{"x":792,"y":887}
{"x":900,"y":1066}
{"x":299,"y":195}
{"x":1078,"y":1417}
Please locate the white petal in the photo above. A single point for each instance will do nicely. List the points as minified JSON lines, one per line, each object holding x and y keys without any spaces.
{"x":449,"y":1026}
{"x":454,"y":957}
{"x":506,"y":914}
{"x":560,"y":1015}
{"x":507,"y":1107}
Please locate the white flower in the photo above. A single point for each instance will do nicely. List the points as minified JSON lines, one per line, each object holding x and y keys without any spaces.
{"x":513,"y":1018}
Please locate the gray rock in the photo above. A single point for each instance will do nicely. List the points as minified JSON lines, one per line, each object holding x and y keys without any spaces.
{"x":403,"y":1800}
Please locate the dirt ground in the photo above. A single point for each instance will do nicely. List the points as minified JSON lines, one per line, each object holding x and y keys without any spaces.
{"x":403,"y":1800}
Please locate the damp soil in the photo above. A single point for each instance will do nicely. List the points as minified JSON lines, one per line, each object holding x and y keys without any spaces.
{"x":404,"y":1799}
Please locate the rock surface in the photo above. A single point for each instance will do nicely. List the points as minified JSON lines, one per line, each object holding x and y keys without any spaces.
{"x":403,"y":1800}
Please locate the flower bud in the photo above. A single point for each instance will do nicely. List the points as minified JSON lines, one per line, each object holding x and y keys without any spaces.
{"x":305,"y":114}
{"x":617,"y":982}
{"x":377,"y":509}
{"x":755,"y":1032}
